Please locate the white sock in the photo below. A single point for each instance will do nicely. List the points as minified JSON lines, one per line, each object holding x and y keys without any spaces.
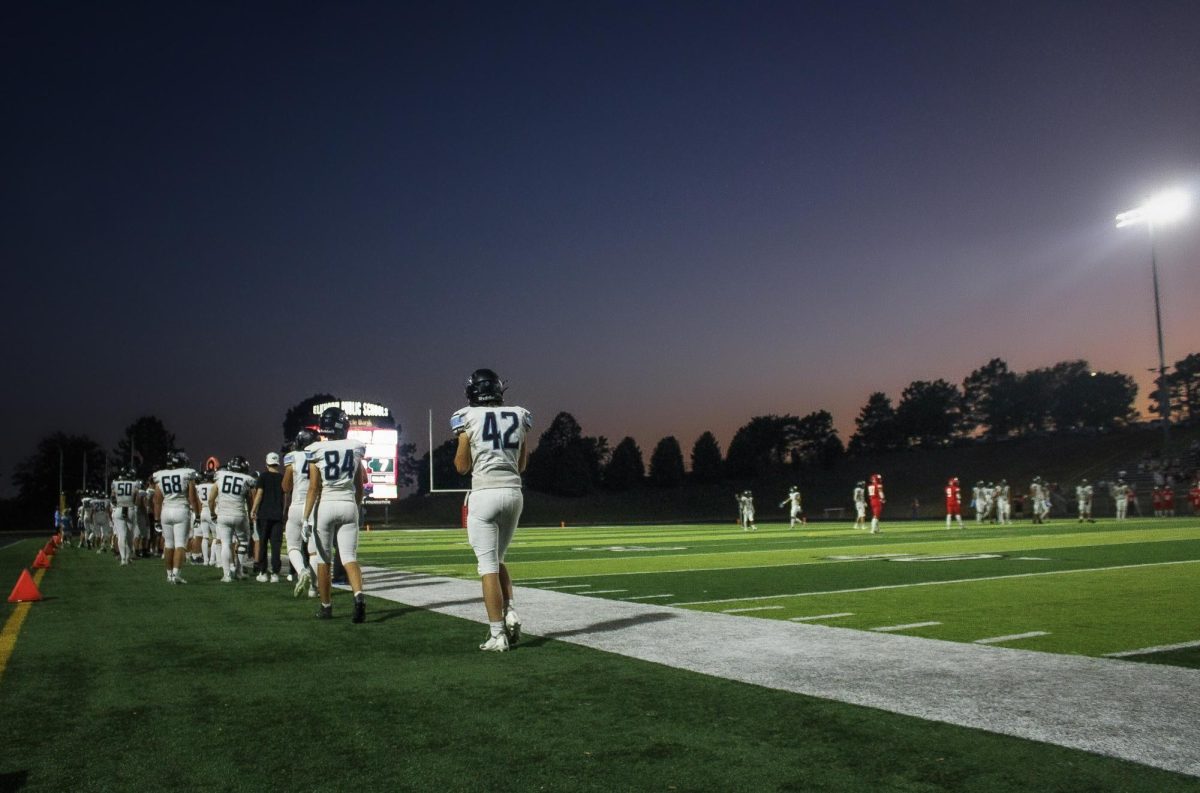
{"x":296,"y":558}
{"x":497,"y":628}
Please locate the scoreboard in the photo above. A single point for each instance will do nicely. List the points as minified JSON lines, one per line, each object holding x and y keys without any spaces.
{"x":373,"y":426}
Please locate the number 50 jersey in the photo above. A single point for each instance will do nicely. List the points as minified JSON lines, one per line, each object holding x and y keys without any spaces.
{"x":497,"y":434}
{"x":339,"y":464}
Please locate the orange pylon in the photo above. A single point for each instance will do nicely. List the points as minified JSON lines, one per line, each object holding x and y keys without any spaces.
{"x":41,"y":562}
{"x":25,"y":590}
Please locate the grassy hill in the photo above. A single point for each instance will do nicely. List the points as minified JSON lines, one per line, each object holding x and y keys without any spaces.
{"x":907,"y":475}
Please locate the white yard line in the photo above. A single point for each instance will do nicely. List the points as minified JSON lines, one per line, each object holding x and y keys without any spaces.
{"x":606,"y":591}
{"x":887,"y":628}
{"x":752,"y":608}
{"x":648,"y":597}
{"x":934,"y":583}
{"x":567,"y":586}
{"x":1162,"y":648}
{"x":1012,"y":637}
{"x":1145,"y":713}
{"x":822,"y":616}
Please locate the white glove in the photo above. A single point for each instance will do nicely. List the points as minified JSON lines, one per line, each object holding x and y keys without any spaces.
{"x":158,"y":526}
{"x":196,"y":522}
{"x":306,"y":532}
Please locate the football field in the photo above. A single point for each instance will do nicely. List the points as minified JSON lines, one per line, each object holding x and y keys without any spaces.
{"x":1125,"y":589}
{"x":118,"y":681}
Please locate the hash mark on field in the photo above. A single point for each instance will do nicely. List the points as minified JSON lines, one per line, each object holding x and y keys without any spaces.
{"x":539,"y":581}
{"x":752,"y":608}
{"x":823,"y":616}
{"x":889,"y":628}
{"x":939,"y":583}
{"x":647,"y":597}
{"x":1162,"y":648}
{"x":568,"y":586}
{"x":1011,"y":637}
{"x":606,"y":591}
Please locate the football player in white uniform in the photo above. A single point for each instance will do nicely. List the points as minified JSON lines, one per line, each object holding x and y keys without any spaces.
{"x":102,"y":520}
{"x":295,"y":492}
{"x":1003,"y":499}
{"x":174,"y":494}
{"x":124,"y":493}
{"x":746,"y":499}
{"x":1040,"y":500}
{"x":796,"y":510}
{"x":860,"y":505}
{"x":492,"y":448}
{"x":1083,"y":497}
{"x":1120,"y":494}
{"x":332,"y":507}
{"x":228,"y":504}
{"x":207,"y":529}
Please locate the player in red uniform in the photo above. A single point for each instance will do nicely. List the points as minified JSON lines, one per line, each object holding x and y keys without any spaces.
{"x":876,"y":499}
{"x":1168,"y":501}
{"x":953,"y":502}
{"x":1194,"y":497}
{"x":1156,"y":501}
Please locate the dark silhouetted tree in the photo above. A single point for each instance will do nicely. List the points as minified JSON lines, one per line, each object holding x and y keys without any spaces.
{"x":979,"y":391}
{"x":1093,"y":400}
{"x":763,"y":443}
{"x":445,"y":477}
{"x":877,"y":429}
{"x":625,"y":469}
{"x":1183,"y":384}
{"x":817,"y":442}
{"x":36,"y":477}
{"x":929,"y":413}
{"x":300,"y":415}
{"x":146,"y":442}
{"x":565,"y":462}
{"x":666,"y":463}
{"x":706,"y":459}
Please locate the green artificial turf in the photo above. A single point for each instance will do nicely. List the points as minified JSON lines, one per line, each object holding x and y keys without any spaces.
{"x":121,"y":682}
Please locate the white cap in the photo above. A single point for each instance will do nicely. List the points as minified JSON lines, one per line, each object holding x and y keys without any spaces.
{"x":272,"y":458}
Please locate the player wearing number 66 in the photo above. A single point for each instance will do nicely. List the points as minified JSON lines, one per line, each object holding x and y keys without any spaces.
{"x":491,"y":446}
{"x":228,"y":508}
{"x":331,"y":506}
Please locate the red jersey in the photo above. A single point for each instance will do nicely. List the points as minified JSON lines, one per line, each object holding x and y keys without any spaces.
{"x":1156,"y":499}
{"x":953,"y":499}
{"x":1168,"y":498}
{"x":1194,"y":497}
{"x":875,"y":492}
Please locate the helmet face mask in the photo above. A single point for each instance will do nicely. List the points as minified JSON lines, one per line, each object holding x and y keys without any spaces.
{"x":305,"y":438}
{"x":334,"y":423}
{"x":484,"y":387}
{"x":238,"y":464}
{"x":177,"y":459}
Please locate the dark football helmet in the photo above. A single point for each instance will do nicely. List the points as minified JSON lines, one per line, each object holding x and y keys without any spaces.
{"x":177,"y":459}
{"x":334,"y":423}
{"x":127,"y":473}
{"x":238,"y":464}
{"x":484,"y":387}
{"x":305,"y":438}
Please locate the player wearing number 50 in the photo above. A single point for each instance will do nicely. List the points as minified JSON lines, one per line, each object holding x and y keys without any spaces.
{"x":335,"y":493}
{"x":491,"y":446}
{"x":174,"y":492}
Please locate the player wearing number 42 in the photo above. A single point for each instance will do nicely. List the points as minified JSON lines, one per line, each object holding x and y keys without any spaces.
{"x":491,"y":446}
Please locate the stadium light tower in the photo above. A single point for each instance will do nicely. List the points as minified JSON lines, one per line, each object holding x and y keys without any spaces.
{"x":1157,"y":211}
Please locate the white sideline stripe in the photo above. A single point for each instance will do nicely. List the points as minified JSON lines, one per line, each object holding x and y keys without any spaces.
{"x":752,"y":608}
{"x":568,"y":586}
{"x":823,"y":616}
{"x":1012,"y":637}
{"x":647,"y":597}
{"x":936,"y":583}
{"x":606,"y":591}
{"x":1162,"y":648}
{"x":887,"y":628}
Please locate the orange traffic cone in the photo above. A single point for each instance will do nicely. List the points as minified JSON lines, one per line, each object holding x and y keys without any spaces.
{"x":50,"y":549}
{"x":57,"y":540}
{"x":41,"y":562}
{"x":25,"y":590}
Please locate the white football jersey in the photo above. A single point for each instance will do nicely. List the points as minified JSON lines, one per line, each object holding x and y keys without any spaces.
{"x":339,"y":464}
{"x":173,"y":482}
{"x":860,"y":496}
{"x":231,"y":488}
{"x":124,"y":492}
{"x":299,"y":461}
{"x":203,"y":490}
{"x":497,"y":433}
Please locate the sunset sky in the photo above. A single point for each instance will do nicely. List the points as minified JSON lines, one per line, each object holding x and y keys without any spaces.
{"x":662,"y":217}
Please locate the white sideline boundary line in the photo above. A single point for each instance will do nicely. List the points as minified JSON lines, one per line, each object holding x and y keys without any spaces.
{"x":822,"y":616}
{"x":935,"y":583}
{"x":752,"y":608}
{"x":1011,"y":637}
{"x":1162,"y":648}
{"x":888,"y":628}
{"x":1144,"y":713}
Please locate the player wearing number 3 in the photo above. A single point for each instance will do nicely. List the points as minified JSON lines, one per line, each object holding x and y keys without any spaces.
{"x":331,"y":507}
{"x":492,"y":448}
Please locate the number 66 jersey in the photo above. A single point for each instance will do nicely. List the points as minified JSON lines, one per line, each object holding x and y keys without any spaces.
{"x":497,"y":433}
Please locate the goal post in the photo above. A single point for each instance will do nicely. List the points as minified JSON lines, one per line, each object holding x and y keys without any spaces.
{"x":433,"y":488}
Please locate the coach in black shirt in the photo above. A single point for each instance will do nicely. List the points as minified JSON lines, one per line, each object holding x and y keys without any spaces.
{"x":268,"y":512}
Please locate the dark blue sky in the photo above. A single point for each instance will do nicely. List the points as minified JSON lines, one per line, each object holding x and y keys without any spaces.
{"x":662,"y":217}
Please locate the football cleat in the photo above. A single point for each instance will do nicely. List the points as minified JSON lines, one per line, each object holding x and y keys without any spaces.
{"x":325,"y":612}
{"x":495,"y":644}
{"x":360,"y":610}
{"x":512,"y":626}
{"x":302,"y":582}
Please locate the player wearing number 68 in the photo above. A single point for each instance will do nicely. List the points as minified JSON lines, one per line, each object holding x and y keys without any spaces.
{"x":492,"y":447}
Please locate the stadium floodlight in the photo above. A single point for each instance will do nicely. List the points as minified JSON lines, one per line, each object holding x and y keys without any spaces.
{"x":1161,"y":209}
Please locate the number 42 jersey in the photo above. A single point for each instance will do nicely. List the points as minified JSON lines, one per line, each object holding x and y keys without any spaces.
{"x":497,"y":434}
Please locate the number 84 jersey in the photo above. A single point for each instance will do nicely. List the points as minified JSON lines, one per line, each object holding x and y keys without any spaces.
{"x":339,"y":464}
{"x":497,"y":434}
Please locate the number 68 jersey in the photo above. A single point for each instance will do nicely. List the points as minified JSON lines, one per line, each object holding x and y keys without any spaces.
{"x":497,"y":433}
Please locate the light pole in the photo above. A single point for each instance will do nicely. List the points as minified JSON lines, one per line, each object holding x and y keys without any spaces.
{"x":1158,"y":211}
